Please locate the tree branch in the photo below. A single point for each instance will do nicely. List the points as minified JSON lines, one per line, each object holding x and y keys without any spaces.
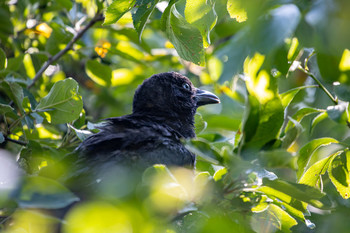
{"x":97,"y":17}
{"x":15,"y":141}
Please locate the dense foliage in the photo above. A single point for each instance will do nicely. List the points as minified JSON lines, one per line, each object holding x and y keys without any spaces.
{"x":272,"y":157}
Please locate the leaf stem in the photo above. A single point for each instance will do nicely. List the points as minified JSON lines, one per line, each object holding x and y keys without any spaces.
{"x":334,"y":100}
{"x":96,"y":18}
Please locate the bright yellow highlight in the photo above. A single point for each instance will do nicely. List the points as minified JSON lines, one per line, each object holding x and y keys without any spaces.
{"x":258,"y":83}
{"x":236,"y":11}
{"x":344,"y":64}
{"x":293,"y":48}
{"x":31,"y":221}
{"x":43,"y":29}
{"x":122,"y":77}
{"x":44,"y":133}
{"x":125,"y":19}
{"x":168,"y":45}
{"x":172,"y":191}
{"x":97,"y":217}
{"x":126,"y":47}
{"x":102,"y":50}
{"x":28,"y":65}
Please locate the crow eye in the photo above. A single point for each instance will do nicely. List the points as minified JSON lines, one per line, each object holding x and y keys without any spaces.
{"x":186,"y":86}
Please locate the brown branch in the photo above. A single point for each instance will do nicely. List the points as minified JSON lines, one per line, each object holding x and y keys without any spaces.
{"x":96,"y":18}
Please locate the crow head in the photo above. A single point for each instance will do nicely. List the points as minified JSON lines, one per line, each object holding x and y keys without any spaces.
{"x":172,"y":98}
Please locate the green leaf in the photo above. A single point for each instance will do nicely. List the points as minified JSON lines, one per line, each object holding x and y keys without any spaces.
{"x":223,"y":122}
{"x":271,"y":117}
{"x":236,"y":11}
{"x":292,"y":134}
{"x":186,"y":38}
{"x":99,"y":73}
{"x":117,"y":9}
{"x":40,"y":192}
{"x":81,"y":134}
{"x":287,"y":192}
{"x":288,"y":96}
{"x":313,"y":174}
{"x":307,"y":151}
{"x":64,"y":100}
{"x":14,"y":92}
{"x":338,"y":113}
{"x":338,"y":172}
{"x":142,"y":14}
{"x":320,"y":117}
{"x":200,"y":124}
{"x":272,"y":219}
{"x":3,"y":60}
{"x":300,"y":114}
{"x":204,"y":150}
{"x":4,"y":108}
{"x":202,"y":15}
{"x":277,"y":159}
{"x":66,"y":4}
{"x":342,"y":92}
{"x":263,"y":36}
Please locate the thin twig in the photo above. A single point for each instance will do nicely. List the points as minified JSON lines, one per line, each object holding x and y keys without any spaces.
{"x":97,"y":17}
{"x":16,"y":141}
{"x":335,"y":101}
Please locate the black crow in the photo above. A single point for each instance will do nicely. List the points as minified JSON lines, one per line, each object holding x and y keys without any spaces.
{"x":164,"y":107}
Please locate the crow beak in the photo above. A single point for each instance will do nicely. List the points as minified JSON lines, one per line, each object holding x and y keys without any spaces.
{"x":206,"y":97}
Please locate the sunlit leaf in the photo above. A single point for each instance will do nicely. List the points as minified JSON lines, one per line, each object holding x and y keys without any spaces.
{"x":186,"y":38}
{"x":344,"y":63}
{"x":300,"y":114}
{"x":307,"y":151}
{"x":287,"y":191}
{"x":338,"y":171}
{"x":313,"y":174}
{"x":117,"y":9}
{"x":99,"y":73}
{"x":288,"y":96}
{"x":63,"y":103}
{"x":200,"y":124}
{"x":142,"y":14}
{"x":59,"y":38}
{"x":202,"y":15}
{"x":273,"y":218}
{"x":40,"y":192}
{"x":236,"y":11}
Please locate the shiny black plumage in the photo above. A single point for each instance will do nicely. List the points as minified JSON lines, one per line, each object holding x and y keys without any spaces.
{"x":163,"y":112}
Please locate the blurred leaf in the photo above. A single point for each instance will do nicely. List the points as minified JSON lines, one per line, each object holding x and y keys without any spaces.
{"x":288,"y":96}
{"x":4,"y":108}
{"x":3,"y":60}
{"x":81,"y":134}
{"x":66,"y":4}
{"x":287,"y":191}
{"x":328,"y":65}
{"x":40,"y":192}
{"x":99,"y":73}
{"x":263,"y":36}
{"x":65,"y":101}
{"x":204,"y":150}
{"x":117,"y":9}
{"x":6,"y":26}
{"x":292,"y":134}
{"x":186,"y":38}
{"x":14,"y":92}
{"x":223,"y":122}
{"x":313,"y":174}
{"x":338,"y":171}
{"x":300,"y":114}
{"x":342,"y":92}
{"x":14,"y":63}
{"x":307,"y":151}
{"x":236,"y":11}
{"x":338,"y":113}
{"x":202,"y":15}
{"x":142,"y":14}
{"x":277,"y":159}
{"x":272,"y":219}
{"x":58,"y":38}
{"x":320,"y":117}
{"x":200,"y":124}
